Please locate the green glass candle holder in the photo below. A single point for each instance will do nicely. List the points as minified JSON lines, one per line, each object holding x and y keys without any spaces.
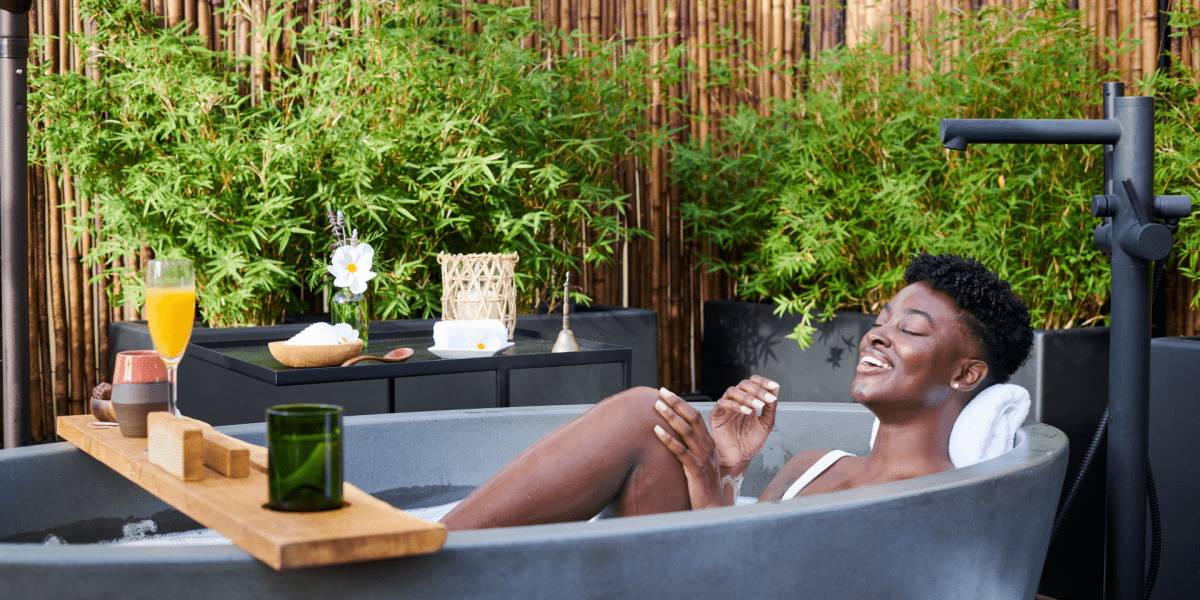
{"x":304,"y":457}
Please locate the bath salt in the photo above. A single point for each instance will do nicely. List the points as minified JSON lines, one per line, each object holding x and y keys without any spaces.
{"x":482,"y":334}
{"x":324,"y":334}
{"x":195,"y":537}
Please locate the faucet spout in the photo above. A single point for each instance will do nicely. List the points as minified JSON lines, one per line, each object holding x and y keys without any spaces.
{"x":956,"y":134}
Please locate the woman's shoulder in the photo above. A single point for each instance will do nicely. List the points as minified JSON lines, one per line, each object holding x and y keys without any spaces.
{"x":797,"y":466}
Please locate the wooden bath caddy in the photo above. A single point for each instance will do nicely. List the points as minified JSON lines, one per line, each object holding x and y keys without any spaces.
{"x":365,"y":529}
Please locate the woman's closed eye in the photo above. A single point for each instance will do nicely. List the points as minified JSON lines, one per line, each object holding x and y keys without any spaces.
{"x":903,"y":329}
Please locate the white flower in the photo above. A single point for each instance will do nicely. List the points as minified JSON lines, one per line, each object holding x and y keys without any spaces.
{"x":492,"y":343}
{"x":351,"y":267}
{"x":344,"y":333}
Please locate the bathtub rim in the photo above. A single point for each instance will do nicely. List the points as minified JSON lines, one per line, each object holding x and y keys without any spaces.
{"x":1038,"y":446}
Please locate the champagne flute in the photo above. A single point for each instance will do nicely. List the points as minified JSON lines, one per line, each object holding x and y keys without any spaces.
{"x":170,"y":310}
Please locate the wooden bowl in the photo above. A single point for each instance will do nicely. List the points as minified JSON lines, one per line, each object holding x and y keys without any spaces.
{"x":298,"y":356}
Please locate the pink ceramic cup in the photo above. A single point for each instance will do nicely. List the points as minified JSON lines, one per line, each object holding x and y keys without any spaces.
{"x":139,"y":388}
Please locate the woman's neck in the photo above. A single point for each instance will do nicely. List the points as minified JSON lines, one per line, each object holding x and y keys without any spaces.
{"x":913,"y":444}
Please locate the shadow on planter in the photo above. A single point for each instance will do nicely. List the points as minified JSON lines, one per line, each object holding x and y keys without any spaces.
{"x":222,"y":397}
{"x":746,"y":338}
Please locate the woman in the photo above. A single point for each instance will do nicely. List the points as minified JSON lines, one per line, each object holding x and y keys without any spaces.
{"x":953,"y":331}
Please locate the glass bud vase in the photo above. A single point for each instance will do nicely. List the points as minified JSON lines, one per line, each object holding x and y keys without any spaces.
{"x":349,"y":308}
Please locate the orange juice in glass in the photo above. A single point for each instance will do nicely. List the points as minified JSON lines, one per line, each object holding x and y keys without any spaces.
{"x":170,"y":310}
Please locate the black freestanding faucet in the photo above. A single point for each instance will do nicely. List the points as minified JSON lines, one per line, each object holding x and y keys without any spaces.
{"x":1130,"y":236}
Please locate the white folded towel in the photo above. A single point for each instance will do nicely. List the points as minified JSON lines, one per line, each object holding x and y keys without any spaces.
{"x":482,"y":334}
{"x":987,"y":427}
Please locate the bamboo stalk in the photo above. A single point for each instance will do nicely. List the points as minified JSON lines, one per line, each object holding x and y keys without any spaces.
{"x":63,"y":26}
{"x":57,"y":298}
{"x":103,"y":311}
{"x":220,"y":31}
{"x":1194,"y":45}
{"x":776,"y":47}
{"x":258,"y":43}
{"x":76,"y":28}
{"x":668,"y":295}
{"x":86,"y":313}
{"x":46,"y":395}
{"x":653,"y":198}
{"x":1130,"y":61}
{"x":763,"y":56}
{"x":1117,"y":19}
{"x":287,"y":41}
{"x":788,"y":48}
{"x":36,"y":418}
{"x":595,"y":28}
{"x":130,"y":263}
{"x":1176,"y":44}
{"x":1150,"y":49}
{"x":174,"y":12}
{"x":725,"y":23}
{"x":48,"y":23}
{"x":204,"y":22}
{"x":563,"y":21}
{"x":75,"y":297}
{"x":242,"y":50}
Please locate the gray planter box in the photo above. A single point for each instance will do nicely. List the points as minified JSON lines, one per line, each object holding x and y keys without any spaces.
{"x":222,"y":397}
{"x":1174,"y":446}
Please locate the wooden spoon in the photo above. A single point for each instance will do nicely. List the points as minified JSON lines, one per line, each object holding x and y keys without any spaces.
{"x":395,"y":356}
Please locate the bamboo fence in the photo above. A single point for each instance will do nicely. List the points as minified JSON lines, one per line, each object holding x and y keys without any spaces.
{"x":69,"y":309}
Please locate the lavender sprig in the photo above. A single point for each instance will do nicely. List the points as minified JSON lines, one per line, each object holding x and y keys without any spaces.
{"x":337,"y":222}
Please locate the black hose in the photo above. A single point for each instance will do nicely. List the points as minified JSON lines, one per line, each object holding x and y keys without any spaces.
{"x":1085,"y":466}
{"x":1155,"y":532}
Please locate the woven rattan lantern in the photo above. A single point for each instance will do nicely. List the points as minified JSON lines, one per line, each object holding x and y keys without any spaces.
{"x":479,"y":286}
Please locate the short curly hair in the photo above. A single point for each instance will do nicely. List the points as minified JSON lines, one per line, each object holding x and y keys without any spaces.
{"x":997,"y":318}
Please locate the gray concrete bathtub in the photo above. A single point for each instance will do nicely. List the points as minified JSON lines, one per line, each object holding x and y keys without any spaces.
{"x":978,"y":532}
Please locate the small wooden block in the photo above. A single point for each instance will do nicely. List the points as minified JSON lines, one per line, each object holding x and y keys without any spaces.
{"x":175,"y":445}
{"x":256,"y":455}
{"x":225,"y":455}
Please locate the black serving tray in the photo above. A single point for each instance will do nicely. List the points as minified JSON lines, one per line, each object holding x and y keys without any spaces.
{"x":531,"y":349}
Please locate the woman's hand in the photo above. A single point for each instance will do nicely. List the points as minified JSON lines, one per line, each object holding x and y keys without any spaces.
{"x":694,"y":447}
{"x":738,"y":431}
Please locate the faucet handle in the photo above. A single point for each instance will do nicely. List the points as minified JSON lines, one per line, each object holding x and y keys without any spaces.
{"x":1104,"y":206}
{"x":1136,"y":202}
{"x":1172,"y":207}
{"x":1146,"y":240}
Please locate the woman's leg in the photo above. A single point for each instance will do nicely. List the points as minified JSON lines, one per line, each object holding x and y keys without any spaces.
{"x":608,"y":453}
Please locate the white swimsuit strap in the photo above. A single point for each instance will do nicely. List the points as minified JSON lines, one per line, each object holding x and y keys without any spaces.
{"x":813,"y":472}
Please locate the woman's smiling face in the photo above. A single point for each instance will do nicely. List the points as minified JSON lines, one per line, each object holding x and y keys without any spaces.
{"x":918,"y":347}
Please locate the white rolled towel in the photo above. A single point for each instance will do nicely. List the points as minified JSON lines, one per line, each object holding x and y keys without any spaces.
{"x":987,"y":427}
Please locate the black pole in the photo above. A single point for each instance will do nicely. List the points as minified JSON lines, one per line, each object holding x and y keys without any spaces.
{"x":1132,"y":166}
{"x":14,"y":221}
{"x":1132,"y":239}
